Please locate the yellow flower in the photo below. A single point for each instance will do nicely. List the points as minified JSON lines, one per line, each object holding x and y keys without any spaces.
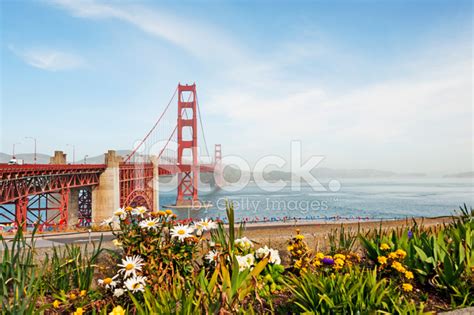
{"x":338,"y":262}
{"x":398,"y":267}
{"x":118,"y":310}
{"x":340,"y":256}
{"x":401,"y":253}
{"x":407,"y":287}
{"x":382,"y":260}
{"x":83,"y":293}
{"x":169,"y":212}
{"x":56,"y":303}
{"x":128,"y":209}
{"x":409,"y":274}
{"x":161,"y":213}
{"x":317,"y":263}
{"x":319,"y":256}
{"x":299,"y":237}
{"x":72,"y":296}
{"x":393,"y":255}
{"x":298,"y":264}
{"x":384,"y":246}
{"x":79,"y":311}
{"x":290,"y":248}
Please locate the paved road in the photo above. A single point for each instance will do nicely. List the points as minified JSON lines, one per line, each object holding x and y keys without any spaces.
{"x":49,"y":240}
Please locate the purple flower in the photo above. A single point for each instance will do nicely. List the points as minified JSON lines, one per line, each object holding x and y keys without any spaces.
{"x":410,"y":234}
{"x":328,"y":261}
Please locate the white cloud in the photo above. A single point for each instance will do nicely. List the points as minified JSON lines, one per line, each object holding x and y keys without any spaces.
{"x":49,"y":59}
{"x":197,"y":38}
{"x":420,"y":116}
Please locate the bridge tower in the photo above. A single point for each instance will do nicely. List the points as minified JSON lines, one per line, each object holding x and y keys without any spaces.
{"x":218,"y":170}
{"x":188,"y":179}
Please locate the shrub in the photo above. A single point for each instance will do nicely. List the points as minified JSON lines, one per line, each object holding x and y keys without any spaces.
{"x":356,"y":291}
{"x":20,"y":279}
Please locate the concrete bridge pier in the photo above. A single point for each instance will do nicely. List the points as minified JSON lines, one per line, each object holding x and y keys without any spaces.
{"x":106,"y":195}
{"x":73,"y":207}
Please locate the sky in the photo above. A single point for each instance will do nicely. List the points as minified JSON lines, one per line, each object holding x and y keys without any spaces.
{"x":365,"y":84}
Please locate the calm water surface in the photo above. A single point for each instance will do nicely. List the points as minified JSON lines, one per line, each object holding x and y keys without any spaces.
{"x":356,"y":199}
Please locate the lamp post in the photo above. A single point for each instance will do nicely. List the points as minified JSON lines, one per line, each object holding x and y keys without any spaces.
{"x":85,"y":159}
{"x":73,"y":153}
{"x":13,"y":150}
{"x":34,"y":139}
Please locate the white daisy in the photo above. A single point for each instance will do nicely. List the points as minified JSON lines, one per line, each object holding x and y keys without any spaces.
{"x":108,"y":283}
{"x":206,"y":224}
{"x":135,"y":284}
{"x":139,"y":211}
{"x":130,"y":265}
{"x":120,"y":213}
{"x":119,"y":292}
{"x":212,"y":256}
{"x":150,"y":224}
{"x":181,"y":231}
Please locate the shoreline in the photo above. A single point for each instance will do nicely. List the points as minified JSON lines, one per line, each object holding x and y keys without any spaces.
{"x":303,"y":225}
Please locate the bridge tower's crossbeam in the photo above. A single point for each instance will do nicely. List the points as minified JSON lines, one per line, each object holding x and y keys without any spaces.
{"x":187,"y":180}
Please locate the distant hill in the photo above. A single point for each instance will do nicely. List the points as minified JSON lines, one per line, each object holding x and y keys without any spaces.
{"x":460,"y":175}
{"x":27,"y":157}
{"x":342,"y":173}
{"x":100,"y":159}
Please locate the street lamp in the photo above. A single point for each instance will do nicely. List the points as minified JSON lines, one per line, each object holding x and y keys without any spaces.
{"x":73,"y":153}
{"x":13,"y":150}
{"x":85,"y":159}
{"x":34,"y":139}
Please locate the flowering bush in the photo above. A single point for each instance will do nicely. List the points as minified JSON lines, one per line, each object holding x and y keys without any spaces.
{"x":303,"y":259}
{"x":156,"y":248}
{"x":391,"y":264}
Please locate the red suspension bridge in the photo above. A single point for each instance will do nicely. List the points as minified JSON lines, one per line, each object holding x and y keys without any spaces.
{"x":61,"y":194}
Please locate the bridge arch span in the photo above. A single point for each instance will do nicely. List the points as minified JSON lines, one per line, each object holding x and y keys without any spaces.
{"x":138,"y":198}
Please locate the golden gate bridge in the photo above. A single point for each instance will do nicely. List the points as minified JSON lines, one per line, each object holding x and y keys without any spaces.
{"x":61,"y":194}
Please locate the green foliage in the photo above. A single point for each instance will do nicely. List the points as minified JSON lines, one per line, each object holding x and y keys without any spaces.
{"x":445,"y":259}
{"x":441,"y":257}
{"x":272,"y":278}
{"x":342,"y":241}
{"x":225,"y":238}
{"x":70,"y":268}
{"x":223,"y":292}
{"x":357,"y":291}
{"x":20,"y":278}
